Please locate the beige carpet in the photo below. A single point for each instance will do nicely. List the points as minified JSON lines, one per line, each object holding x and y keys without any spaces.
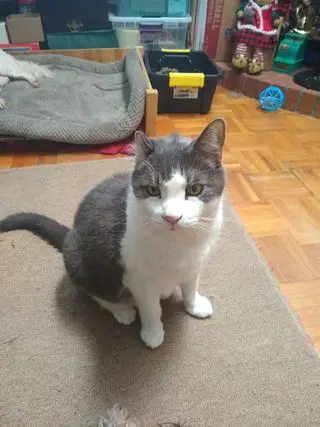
{"x":63,"y":361}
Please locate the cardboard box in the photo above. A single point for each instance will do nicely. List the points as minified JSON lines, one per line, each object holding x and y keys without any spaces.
{"x":25,"y":28}
{"x":19,"y":47}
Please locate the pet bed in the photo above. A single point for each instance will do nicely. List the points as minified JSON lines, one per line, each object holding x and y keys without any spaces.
{"x":85,"y":102}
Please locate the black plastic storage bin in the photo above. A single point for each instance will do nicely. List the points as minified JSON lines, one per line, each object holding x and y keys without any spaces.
{"x":186,"y":81}
{"x":62,"y":16}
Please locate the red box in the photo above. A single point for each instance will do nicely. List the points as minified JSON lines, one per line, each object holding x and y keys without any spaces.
{"x":19,"y":47}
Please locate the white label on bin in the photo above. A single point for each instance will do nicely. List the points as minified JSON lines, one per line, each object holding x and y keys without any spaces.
{"x":180,"y":92}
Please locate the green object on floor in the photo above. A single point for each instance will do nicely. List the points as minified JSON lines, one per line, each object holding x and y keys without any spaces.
{"x":83,"y":40}
{"x":290,"y":53}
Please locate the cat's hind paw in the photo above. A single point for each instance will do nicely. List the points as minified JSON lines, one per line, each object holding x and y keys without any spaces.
{"x":201,"y":307}
{"x":123,"y":312}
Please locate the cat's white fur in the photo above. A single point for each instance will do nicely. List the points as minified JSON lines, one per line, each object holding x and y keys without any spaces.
{"x":158,"y":259}
{"x":159,"y":256}
{"x":12,"y":69}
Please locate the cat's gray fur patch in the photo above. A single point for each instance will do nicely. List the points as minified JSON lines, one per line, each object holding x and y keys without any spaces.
{"x":92,"y":248}
{"x":165,"y":156}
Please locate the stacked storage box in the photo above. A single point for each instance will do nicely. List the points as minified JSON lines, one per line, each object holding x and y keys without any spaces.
{"x":76,"y":24}
{"x":27,"y":6}
{"x":152,"y":23}
{"x":19,"y":33}
{"x":6,"y":8}
{"x":3,"y":33}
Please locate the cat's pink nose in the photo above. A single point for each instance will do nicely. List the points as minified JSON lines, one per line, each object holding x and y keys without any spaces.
{"x":172,"y":219}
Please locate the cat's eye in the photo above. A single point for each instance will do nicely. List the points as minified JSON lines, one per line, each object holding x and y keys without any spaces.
{"x":194,"y":190}
{"x":153,"y":191}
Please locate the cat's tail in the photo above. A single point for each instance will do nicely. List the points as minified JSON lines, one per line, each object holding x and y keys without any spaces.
{"x":46,"y":228}
{"x":37,"y":70}
{"x":43,"y":72}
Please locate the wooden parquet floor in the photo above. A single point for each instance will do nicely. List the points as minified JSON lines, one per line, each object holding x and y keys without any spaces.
{"x":273,"y":163}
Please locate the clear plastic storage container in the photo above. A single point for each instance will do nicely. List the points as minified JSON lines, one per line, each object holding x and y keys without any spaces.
{"x":153,"y":8}
{"x":152,"y":33}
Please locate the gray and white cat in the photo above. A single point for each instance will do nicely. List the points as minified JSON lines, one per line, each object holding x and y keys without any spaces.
{"x":147,"y":232}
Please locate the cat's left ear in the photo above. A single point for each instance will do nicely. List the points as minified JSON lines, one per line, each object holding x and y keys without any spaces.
{"x":210,"y":143}
{"x":143,"y":145}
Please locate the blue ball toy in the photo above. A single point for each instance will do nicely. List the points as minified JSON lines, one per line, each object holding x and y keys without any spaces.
{"x":271,"y":98}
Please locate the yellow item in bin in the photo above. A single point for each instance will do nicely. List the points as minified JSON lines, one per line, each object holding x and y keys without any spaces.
{"x":186,"y":79}
{"x":176,"y":50}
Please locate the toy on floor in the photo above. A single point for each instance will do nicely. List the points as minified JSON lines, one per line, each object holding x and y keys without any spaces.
{"x":118,"y":416}
{"x":271,"y":99}
{"x":257,"y":24}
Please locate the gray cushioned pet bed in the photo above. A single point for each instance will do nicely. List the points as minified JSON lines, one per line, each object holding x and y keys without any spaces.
{"x":84,"y":103}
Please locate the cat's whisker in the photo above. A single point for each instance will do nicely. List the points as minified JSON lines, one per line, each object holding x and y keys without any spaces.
{"x":203,"y":225}
{"x":198,"y":230}
{"x":202,"y":229}
{"x":165,"y":169}
{"x":116,"y":224}
{"x":151,"y":222}
{"x":204,"y":219}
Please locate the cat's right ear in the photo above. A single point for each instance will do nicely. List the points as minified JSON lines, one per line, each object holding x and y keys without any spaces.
{"x":210,"y":143}
{"x":143,"y":145}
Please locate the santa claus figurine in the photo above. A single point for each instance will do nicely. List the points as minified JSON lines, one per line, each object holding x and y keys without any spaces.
{"x":257,"y":27}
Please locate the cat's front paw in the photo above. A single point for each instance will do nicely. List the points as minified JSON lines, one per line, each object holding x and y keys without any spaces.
{"x":125,"y":315}
{"x":2,"y":104}
{"x":35,"y":83}
{"x":201,"y":307}
{"x":152,"y":337}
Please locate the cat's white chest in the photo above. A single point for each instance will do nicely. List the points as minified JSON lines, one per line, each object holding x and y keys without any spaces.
{"x":165,"y":260}
{"x":153,"y":255}
{"x":168,"y":252}
{"x":162,"y":262}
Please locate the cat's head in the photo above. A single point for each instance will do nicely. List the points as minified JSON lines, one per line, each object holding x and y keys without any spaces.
{"x":178,"y":180}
